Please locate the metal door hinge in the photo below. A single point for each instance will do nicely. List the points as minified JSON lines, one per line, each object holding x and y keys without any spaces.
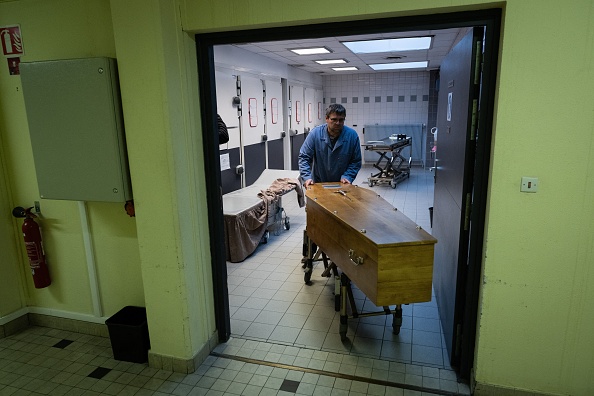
{"x":478,"y":62}
{"x":473,"y":126}
{"x":467,"y":212}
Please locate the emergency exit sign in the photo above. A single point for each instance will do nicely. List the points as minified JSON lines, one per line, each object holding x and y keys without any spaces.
{"x":12,"y":42}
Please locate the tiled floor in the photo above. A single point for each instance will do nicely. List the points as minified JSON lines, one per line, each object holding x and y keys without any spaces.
{"x":270,"y":303}
{"x":285,"y":339}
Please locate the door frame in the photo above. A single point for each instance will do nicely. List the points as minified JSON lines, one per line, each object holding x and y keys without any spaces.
{"x":490,"y":18}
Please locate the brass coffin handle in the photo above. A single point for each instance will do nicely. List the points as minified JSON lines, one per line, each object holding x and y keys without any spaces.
{"x":355,"y":260}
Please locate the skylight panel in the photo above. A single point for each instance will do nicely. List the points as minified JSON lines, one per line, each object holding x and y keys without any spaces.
{"x":389,"y":45}
{"x":399,"y":65}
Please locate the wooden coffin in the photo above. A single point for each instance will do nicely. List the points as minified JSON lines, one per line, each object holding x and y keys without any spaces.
{"x":385,"y":254}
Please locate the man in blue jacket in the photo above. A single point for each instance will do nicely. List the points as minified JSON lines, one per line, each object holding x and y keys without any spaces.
{"x":332,"y":149}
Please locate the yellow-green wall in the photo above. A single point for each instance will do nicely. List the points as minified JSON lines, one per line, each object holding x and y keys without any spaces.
{"x":61,"y":30}
{"x":12,"y":298}
{"x":157,"y":65}
{"x":535,"y":328}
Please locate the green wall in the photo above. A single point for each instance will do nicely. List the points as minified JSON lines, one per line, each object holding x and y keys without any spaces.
{"x":535,"y":327}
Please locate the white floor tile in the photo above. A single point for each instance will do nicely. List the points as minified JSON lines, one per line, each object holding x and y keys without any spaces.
{"x":275,"y":318}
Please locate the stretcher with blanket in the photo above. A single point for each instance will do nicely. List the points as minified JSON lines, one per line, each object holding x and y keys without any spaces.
{"x":252,"y":212}
{"x":374,"y":245}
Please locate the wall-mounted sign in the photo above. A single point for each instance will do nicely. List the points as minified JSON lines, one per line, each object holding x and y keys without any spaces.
{"x":13,"y":66}
{"x":12,"y":41}
{"x":12,"y":47}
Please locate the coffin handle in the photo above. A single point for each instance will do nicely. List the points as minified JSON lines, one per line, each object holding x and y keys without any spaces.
{"x":355,"y":260}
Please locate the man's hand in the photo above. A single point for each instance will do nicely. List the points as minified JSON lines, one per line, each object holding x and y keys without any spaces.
{"x":308,"y":182}
{"x":345,"y":181}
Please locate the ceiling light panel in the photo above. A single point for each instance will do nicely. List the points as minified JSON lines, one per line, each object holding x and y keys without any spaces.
{"x":399,"y":65}
{"x":349,"y":68}
{"x":330,"y":61}
{"x":311,"y":51}
{"x":389,"y":45}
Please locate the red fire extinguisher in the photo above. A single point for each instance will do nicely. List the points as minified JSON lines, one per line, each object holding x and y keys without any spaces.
{"x":34,"y":246}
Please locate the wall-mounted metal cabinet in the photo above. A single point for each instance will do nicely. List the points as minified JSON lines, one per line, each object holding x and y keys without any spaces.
{"x":76,"y":127}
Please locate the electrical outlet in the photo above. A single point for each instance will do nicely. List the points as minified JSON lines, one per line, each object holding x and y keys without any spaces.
{"x":37,"y":207}
{"x":529,"y":184}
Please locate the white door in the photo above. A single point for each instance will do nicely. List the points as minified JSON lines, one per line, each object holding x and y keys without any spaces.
{"x":310,"y":116}
{"x":274,"y":123}
{"x":253,"y":127}
{"x":320,"y":110}
{"x":230,"y":153}
{"x":296,"y":127}
{"x":226,"y":83}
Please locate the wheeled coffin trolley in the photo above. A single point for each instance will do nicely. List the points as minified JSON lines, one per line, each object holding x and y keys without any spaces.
{"x":387,"y":255}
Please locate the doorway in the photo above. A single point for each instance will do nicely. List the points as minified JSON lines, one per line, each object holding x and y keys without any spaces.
{"x":490,"y":20}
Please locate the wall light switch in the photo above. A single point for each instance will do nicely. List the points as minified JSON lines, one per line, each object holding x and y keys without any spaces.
{"x":529,"y":184}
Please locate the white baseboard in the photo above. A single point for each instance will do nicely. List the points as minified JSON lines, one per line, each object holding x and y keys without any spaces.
{"x":52,"y":312}
{"x":13,"y":315}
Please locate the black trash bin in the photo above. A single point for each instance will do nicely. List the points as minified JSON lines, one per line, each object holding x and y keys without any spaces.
{"x":128,"y":332}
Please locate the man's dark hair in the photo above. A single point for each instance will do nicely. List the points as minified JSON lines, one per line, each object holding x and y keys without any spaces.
{"x":336,"y":108}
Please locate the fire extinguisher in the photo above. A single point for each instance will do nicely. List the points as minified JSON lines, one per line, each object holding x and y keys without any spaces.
{"x":34,"y":246}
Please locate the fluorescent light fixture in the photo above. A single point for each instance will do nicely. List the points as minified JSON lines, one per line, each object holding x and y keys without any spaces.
{"x":330,"y":61}
{"x":311,"y":51}
{"x":389,"y":45}
{"x":399,"y":65}
{"x":348,"y":68}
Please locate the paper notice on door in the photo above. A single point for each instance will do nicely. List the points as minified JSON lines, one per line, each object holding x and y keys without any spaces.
{"x":225,"y":163}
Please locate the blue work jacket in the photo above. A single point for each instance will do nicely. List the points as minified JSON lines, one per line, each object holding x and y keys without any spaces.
{"x":330,"y":165}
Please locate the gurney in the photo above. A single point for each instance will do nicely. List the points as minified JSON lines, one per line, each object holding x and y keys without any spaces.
{"x":252,"y":212}
{"x":392,"y":165}
{"x":374,"y":245}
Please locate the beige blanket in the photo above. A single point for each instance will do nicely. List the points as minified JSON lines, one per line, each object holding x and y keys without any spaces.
{"x":280,"y":187}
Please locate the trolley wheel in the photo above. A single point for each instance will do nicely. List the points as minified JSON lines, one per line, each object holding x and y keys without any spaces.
{"x":343,"y":331}
{"x":397,"y":320}
{"x":264,"y":239}
{"x":370,"y":182}
{"x":308,"y":271}
{"x":393,"y":184}
{"x":287,"y":224}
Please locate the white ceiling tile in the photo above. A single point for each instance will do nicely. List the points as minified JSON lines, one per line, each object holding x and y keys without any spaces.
{"x":443,"y":42}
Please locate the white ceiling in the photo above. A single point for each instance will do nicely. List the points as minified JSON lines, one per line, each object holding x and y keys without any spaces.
{"x":443,"y":41}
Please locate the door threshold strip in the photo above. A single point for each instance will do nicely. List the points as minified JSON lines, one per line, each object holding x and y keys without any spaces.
{"x":337,"y":375}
